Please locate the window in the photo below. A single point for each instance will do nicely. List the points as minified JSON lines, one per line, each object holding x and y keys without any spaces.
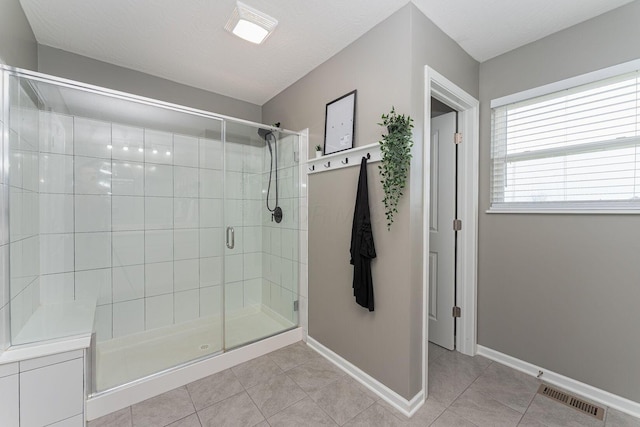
{"x":572,"y":149}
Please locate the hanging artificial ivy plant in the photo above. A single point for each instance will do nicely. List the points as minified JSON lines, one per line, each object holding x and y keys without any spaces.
{"x":396,"y":158}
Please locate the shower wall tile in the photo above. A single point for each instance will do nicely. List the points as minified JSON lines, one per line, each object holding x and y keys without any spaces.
{"x":186,"y":213}
{"x":158,"y":180}
{"x":252,"y":265}
{"x":94,"y":284}
{"x":92,"y":138}
{"x":93,"y":250}
{"x":211,"y":154}
{"x":56,"y":253}
{"x":56,"y":288}
{"x":186,"y":274}
{"x":158,"y":213}
{"x":233,"y":268}
{"x":252,"y":239}
{"x":104,"y":323}
{"x":128,"y":317}
{"x":211,"y":241}
{"x":158,"y":278}
{"x":233,"y":296}
{"x":127,"y":248}
{"x":252,"y":212}
{"x":158,"y":311}
{"x":158,"y":147}
{"x":252,"y":186}
{"x":211,"y":213}
{"x":252,"y":292}
{"x":127,"y":143}
{"x":56,"y":213}
{"x":185,"y":182}
{"x":210,"y":271}
{"x":128,"y":283}
{"x":56,"y":133}
{"x":253,"y":158}
{"x":158,"y":246}
{"x":286,"y":271}
{"x":92,"y":213}
{"x":56,"y":174}
{"x":186,"y":305}
{"x":234,"y":157}
{"x":211,"y":184}
{"x":211,"y":301}
{"x":185,"y":244}
{"x":92,"y":176}
{"x":127,"y":213}
{"x":185,"y":150}
{"x":127,"y":178}
{"x":233,"y":184}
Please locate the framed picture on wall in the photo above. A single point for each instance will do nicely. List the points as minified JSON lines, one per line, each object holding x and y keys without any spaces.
{"x":340,"y":124}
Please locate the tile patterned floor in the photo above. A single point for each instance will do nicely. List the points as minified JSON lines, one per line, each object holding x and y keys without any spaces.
{"x":294,"y":386}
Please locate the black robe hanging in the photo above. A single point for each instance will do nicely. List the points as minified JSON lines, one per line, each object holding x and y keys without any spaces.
{"x":362,"y":247}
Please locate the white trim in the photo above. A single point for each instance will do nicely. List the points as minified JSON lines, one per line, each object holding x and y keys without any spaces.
{"x":626,"y":67}
{"x":592,"y":393}
{"x":467,"y":106}
{"x":162,"y":382}
{"x":406,"y":407}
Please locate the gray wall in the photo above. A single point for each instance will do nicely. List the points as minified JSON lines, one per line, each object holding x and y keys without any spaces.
{"x":561,"y":291}
{"x":386,"y":67}
{"x":81,"y":68}
{"x":18,"y":46}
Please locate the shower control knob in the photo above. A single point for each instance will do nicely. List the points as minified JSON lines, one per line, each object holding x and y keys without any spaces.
{"x":277,"y":214}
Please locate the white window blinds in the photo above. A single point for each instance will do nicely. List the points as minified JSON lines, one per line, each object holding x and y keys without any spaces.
{"x":578,"y":148}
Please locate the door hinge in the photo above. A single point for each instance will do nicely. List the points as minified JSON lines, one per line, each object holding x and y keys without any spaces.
{"x":456,"y":312}
{"x":296,"y":305}
{"x":457,"y":224}
{"x":457,"y":138}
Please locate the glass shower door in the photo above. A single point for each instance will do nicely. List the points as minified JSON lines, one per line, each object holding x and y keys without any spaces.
{"x":260,"y":286}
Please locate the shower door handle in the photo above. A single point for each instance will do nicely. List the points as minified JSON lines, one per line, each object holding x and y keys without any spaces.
{"x":231,"y":242}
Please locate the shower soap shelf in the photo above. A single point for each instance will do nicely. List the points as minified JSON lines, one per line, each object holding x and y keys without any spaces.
{"x":344,"y":159}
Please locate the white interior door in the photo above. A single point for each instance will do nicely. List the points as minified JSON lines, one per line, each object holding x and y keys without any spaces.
{"x":441,"y":233}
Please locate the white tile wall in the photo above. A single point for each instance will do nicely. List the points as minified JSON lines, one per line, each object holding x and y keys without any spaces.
{"x":211,"y":242}
{"x":93,"y":250}
{"x":56,"y":133}
{"x":92,"y":138}
{"x":186,"y":305}
{"x":130,"y":137}
{"x":56,"y":213}
{"x":233,"y":296}
{"x":56,"y":288}
{"x":90,"y":284}
{"x":158,"y":278}
{"x":187,"y":274}
{"x":158,"y":246}
{"x":158,"y":213}
{"x":185,"y":244}
{"x":92,"y":213}
{"x":128,"y":248}
{"x":56,"y":253}
{"x":185,"y":182}
{"x":186,"y":213}
{"x":128,"y":317}
{"x":127,"y":213}
{"x":158,"y":147}
{"x":210,"y":271}
{"x":185,"y":150}
{"x":158,"y":180}
{"x":211,"y":184}
{"x":159,"y":311}
{"x":211,"y":301}
{"x":56,"y":174}
{"x":128,"y":283}
{"x":92,"y":176}
{"x":127,"y":178}
{"x":211,"y":154}
{"x":211,"y":214}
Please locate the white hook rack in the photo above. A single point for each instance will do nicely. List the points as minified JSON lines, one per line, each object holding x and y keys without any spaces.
{"x":344,"y":159}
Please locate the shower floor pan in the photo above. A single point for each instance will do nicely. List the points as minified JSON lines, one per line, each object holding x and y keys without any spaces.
{"x":123,"y":360}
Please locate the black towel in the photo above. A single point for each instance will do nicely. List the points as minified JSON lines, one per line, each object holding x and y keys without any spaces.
{"x":362,"y":247}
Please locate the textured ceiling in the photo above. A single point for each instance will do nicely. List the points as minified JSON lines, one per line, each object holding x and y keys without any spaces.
{"x":185,"y":41}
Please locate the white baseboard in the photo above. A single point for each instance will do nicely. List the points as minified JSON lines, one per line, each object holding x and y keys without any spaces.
{"x":159,"y":383}
{"x":585,"y":390}
{"x":406,"y":407}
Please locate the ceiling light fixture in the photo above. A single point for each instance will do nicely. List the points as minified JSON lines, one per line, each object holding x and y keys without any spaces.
{"x":250,"y":24}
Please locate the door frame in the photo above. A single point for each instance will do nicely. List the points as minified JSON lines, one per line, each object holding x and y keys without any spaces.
{"x":441,"y":88}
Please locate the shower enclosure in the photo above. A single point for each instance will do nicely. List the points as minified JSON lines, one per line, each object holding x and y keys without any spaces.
{"x":146,"y":223}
